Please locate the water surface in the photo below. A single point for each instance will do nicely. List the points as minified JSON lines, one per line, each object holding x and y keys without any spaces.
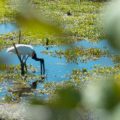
{"x":57,"y":69}
{"x":7,"y":27}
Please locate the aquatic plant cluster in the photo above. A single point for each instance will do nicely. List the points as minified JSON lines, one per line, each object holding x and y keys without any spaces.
{"x":82,"y":23}
{"x":76,"y":54}
{"x":87,"y":95}
{"x":80,"y":80}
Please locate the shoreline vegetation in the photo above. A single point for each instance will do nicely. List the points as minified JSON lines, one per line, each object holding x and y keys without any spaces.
{"x":64,"y":99}
{"x":81,"y":19}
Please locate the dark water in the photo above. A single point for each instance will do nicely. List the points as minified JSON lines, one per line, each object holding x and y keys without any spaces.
{"x":57,"y":69}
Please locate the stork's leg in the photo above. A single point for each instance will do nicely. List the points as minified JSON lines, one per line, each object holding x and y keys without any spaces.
{"x":25,"y":59}
{"x":42,"y":66}
{"x":25,"y":67}
{"x":22,"y":69}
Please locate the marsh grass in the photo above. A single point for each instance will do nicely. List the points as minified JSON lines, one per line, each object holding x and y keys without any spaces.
{"x":82,"y":24}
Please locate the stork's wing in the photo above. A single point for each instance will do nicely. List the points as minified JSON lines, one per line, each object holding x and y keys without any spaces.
{"x":22,"y":49}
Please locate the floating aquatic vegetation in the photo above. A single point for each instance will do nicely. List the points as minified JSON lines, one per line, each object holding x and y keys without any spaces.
{"x":87,"y":12}
{"x":116,"y":58}
{"x":19,"y":84}
{"x":74,"y":54}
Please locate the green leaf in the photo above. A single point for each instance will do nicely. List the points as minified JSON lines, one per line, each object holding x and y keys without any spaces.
{"x":36,"y":25}
{"x":2,"y":6}
{"x":67,"y":98}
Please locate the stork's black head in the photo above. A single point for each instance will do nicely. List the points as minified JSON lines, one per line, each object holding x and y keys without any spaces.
{"x":34,"y":56}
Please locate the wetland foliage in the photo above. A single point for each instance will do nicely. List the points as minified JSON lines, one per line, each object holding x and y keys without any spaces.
{"x":87,"y":91}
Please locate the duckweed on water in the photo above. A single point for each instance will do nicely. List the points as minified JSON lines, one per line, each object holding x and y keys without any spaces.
{"x":116,"y":58}
{"x":80,"y":78}
{"x":82,"y":23}
{"x":77,"y":78}
{"x":72,"y":54}
{"x":12,"y":73}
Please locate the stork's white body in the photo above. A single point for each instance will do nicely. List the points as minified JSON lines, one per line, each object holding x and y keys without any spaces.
{"x":24,"y":52}
{"x":22,"y":49}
